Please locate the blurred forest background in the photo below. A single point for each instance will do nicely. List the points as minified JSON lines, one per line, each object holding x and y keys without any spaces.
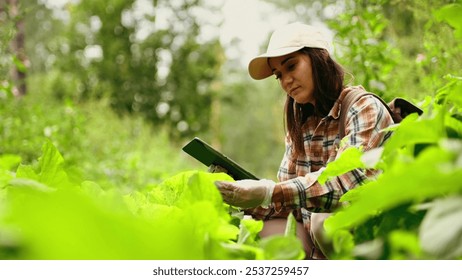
{"x":119,"y":91}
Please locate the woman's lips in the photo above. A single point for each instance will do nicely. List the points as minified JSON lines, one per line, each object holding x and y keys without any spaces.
{"x":292,"y":91}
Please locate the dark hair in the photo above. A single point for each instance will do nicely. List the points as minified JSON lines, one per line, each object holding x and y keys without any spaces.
{"x":328,"y":78}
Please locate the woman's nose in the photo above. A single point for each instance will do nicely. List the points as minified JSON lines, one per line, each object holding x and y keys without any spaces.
{"x":286,"y":82}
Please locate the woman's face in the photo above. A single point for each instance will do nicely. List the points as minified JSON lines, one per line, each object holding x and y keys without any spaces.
{"x":295,"y":76}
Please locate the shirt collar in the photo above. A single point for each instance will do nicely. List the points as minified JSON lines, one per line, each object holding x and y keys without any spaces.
{"x":336,"y":109}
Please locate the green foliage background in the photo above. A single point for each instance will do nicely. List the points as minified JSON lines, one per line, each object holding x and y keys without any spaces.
{"x":90,"y":159}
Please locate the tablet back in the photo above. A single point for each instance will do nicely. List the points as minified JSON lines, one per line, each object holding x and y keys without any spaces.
{"x":206,"y":154}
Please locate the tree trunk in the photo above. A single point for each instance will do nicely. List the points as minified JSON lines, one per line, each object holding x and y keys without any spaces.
{"x":18,"y":73}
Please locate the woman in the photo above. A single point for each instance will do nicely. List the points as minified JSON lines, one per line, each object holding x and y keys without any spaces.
{"x":298,"y":56}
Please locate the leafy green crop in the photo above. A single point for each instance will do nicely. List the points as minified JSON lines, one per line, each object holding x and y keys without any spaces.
{"x":128,"y":210}
{"x":46,"y":215}
{"x":411,"y":209}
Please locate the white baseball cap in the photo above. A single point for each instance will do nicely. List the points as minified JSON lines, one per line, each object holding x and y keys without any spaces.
{"x":284,"y":40}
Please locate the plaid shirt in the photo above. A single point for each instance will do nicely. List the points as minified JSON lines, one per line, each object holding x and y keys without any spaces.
{"x":295,"y":191}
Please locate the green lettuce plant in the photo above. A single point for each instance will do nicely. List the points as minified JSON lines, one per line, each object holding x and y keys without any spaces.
{"x":45,"y":214}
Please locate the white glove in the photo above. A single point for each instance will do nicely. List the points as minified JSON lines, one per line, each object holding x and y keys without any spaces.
{"x":247,"y":193}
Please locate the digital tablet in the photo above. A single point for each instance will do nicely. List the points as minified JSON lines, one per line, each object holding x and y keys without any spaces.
{"x":206,"y":154}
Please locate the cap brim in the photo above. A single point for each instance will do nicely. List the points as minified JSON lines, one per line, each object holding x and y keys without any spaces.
{"x":259,"y":68}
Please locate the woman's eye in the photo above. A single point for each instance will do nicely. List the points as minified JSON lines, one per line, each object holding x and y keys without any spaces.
{"x":291,"y":66}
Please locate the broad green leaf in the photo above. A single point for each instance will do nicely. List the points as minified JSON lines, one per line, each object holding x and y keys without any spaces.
{"x":429,"y":176}
{"x":50,"y":169}
{"x":455,"y":127}
{"x":64,"y":223}
{"x":27,"y":172}
{"x":213,"y":227}
{"x":171,"y":189}
{"x":450,"y":93}
{"x":190,"y":192}
{"x":279,"y":247}
{"x":8,"y":161}
{"x":92,"y":189}
{"x":200,"y":186}
{"x":249,"y":230}
{"x":440,"y":233}
{"x":291,"y":226}
{"x":451,"y":14}
{"x":243,"y":252}
{"x":348,"y":160}
{"x":404,"y":245}
{"x":68,"y":224}
{"x":342,"y":243}
{"x":429,"y":128}
{"x":455,"y":96}
{"x":187,"y":187}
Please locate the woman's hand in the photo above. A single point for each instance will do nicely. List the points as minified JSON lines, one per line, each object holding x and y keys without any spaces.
{"x":247,"y":193}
